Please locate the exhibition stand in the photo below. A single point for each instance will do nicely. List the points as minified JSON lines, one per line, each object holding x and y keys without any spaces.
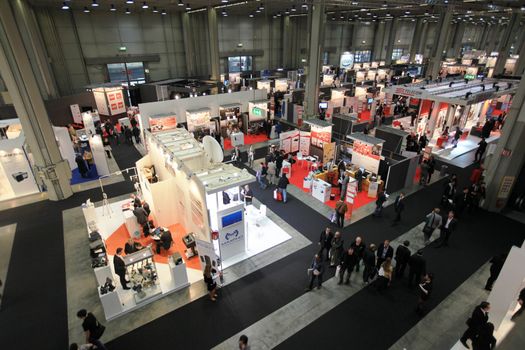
{"x":468,"y":105}
{"x":321,"y":145}
{"x":158,"y":122}
{"x":109,"y":100}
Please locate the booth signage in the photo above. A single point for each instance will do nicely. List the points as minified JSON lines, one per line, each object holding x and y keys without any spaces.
{"x":347,"y":60}
{"x":406,"y":92}
{"x":258,"y":112}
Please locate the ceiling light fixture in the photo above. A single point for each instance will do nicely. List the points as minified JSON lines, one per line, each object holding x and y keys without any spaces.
{"x":293,"y":8}
{"x":155,"y":9}
{"x":112,"y":8}
{"x":127,"y":11}
{"x":163,"y":13}
{"x":224,"y":1}
{"x":304,"y":5}
{"x":65,"y":6}
{"x":94,"y":3}
{"x":251,"y":15}
{"x":188,"y":7}
{"x":224,"y":13}
{"x":86,"y":10}
{"x":180,"y":3}
{"x":287,"y":12}
{"x":129,"y":1}
{"x":145,"y":5}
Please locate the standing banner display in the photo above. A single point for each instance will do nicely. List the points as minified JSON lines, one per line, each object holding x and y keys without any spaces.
{"x":304,"y":142}
{"x":16,"y":176}
{"x":76,"y":114}
{"x":289,"y":141}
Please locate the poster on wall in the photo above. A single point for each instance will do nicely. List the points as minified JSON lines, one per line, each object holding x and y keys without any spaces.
{"x":289,"y":141}
{"x":366,"y":155}
{"x":197,"y":119}
{"x":304,"y":143}
{"x":347,"y":60}
{"x":328,"y":152}
{"x":76,"y":114}
{"x":116,"y":102}
{"x":100,"y":100}
{"x":17,"y":177}
{"x":320,"y":136}
{"x":232,"y":237}
{"x":162,"y":123}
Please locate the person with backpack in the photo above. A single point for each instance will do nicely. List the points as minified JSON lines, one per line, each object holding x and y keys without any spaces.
{"x":93,"y":329}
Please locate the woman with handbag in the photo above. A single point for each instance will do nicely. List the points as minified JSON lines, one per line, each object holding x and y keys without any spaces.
{"x":210,"y":282}
{"x":432,"y":221}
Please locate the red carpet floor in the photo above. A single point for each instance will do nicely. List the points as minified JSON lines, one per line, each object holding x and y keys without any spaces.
{"x":121,"y":236}
{"x":299,"y":172}
{"x":248,"y":140}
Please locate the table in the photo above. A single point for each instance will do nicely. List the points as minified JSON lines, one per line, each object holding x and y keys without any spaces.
{"x":131,"y":224}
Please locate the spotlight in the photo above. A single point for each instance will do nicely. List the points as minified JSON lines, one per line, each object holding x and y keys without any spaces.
{"x":155,"y":9}
{"x":86,"y":10}
{"x":224,"y":1}
{"x":145,"y":5}
{"x":188,"y":7}
{"x":129,"y":1}
{"x":163,"y":12}
{"x":65,"y":6}
{"x":251,"y":15}
{"x":180,"y":3}
{"x":128,"y":11}
{"x":293,"y":8}
{"x":112,"y":8}
{"x":95,"y":3}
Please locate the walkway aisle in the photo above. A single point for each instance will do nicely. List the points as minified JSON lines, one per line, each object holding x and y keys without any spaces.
{"x":257,"y":295}
{"x":375,"y":321}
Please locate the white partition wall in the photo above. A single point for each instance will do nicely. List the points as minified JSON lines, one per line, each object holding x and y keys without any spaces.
{"x":510,"y":281}
{"x":180,"y":106}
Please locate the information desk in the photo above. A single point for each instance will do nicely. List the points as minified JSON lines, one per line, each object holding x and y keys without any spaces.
{"x":321,"y":190}
{"x":142,"y":273}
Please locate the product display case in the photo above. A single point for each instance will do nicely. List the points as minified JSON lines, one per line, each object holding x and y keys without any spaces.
{"x":198,"y":120}
{"x":257,"y":114}
{"x":142,"y":274}
{"x":162,"y":122}
{"x":281,"y":85}
{"x":328,"y":79}
{"x":228,"y":115}
{"x":264,"y":84}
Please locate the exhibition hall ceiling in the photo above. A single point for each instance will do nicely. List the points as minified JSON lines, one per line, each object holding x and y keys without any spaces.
{"x":473,"y":11}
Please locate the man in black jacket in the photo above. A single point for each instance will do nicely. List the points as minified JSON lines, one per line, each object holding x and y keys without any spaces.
{"x":369,"y":262}
{"x":359,"y":248}
{"x":497,"y":263}
{"x":384,"y":251}
{"x":381,"y":199}
{"x":347,"y":264}
{"x":521,"y":302}
{"x":399,"y":206}
{"x":448,"y":225}
{"x":480,"y":316}
{"x":402,"y":257}
{"x":417,"y":267}
{"x":462,"y":201}
{"x":120,"y":268}
{"x":282,"y":185}
{"x":325,"y":241}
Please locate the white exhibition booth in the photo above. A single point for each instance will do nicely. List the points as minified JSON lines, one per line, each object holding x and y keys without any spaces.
{"x":194,"y":194}
{"x":180,"y":107}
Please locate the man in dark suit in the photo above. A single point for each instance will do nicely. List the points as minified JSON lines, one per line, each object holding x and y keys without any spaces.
{"x":462,"y":201}
{"x":120,"y":268}
{"x":325,"y":241}
{"x":402,"y":257}
{"x":384,"y":251}
{"x":165,"y":240}
{"x":369,"y":262}
{"x":480,"y":316}
{"x":447,"y":227}
{"x":417,"y":267}
{"x":399,"y":206}
{"x":359,"y":248}
{"x":497,"y":263}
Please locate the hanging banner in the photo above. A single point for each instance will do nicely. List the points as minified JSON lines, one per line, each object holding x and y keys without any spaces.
{"x":76,"y":114}
{"x":347,"y":60}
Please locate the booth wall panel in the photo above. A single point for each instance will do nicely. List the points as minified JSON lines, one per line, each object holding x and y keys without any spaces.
{"x":397,"y":176}
{"x":59,"y":111}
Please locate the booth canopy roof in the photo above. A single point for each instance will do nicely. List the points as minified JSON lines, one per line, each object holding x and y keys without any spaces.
{"x":231,"y":105}
{"x":258,"y":101}
{"x":200,"y":110}
{"x":318,"y":122}
{"x":457,"y":93}
{"x":392,"y":130}
{"x":223,"y":176}
{"x":365,"y":138}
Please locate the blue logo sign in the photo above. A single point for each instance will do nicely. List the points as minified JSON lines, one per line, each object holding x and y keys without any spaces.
{"x":232,"y":235}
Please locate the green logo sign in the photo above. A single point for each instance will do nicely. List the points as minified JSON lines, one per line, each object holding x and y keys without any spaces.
{"x":258,"y":112}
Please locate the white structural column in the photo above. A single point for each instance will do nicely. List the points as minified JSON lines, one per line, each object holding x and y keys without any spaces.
{"x":506,"y":42}
{"x":436,"y":53}
{"x":483,"y":38}
{"x":287,"y":43}
{"x":213,"y":30}
{"x":423,"y":41}
{"x":416,"y":39}
{"x":390,"y":43}
{"x":317,"y":23}
{"x":189,"y":47}
{"x":31,"y":36}
{"x":51,"y":170}
{"x":502,"y":171}
{"x":379,"y":38}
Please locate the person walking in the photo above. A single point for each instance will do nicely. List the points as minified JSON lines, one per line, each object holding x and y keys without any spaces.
{"x":399,"y":206}
{"x":380,"y":201}
{"x":271,"y":171}
{"x":432,"y":221}
{"x":325,"y":242}
{"x":497,"y":263}
{"x":316,"y":271}
{"x":211,"y":285}
{"x":261,"y":176}
{"x":128,"y":135}
{"x":457,"y":136}
{"x":423,"y":178}
{"x":348,"y":262}
{"x":431,"y":168}
{"x":480,"y":317}
{"x":136,"y":134}
{"x":120,"y":268}
{"x":384,"y":275}
{"x":482,"y":146}
{"x":369,"y":263}
{"x":359,"y":248}
{"x":417,"y":267}
{"x":384,"y":251}
{"x":243,"y":343}
{"x":402,"y":257}
{"x":485,"y":339}
{"x":93,"y":329}
{"x":449,"y":192}
{"x":340,"y":211}
{"x":447,"y":228}
{"x":282,"y":185}
{"x":336,"y":249}
{"x":425,"y":289}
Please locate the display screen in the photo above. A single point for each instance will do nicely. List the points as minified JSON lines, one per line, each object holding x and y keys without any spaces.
{"x":323,"y":104}
{"x":231,"y":218}
{"x":370,"y":101}
{"x":258,"y":112}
